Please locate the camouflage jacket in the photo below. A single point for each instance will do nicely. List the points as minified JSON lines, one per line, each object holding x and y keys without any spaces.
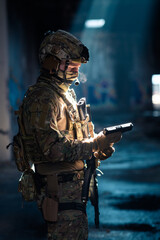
{"x":49,"y":117}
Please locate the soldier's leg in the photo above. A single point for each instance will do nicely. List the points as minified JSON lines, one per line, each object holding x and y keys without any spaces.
{"x":71,"y":225}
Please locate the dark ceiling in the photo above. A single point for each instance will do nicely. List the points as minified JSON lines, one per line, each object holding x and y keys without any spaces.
{"x":39,"y":16}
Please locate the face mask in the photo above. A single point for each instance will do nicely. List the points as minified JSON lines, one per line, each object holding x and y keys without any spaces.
{"x":71,"y":76}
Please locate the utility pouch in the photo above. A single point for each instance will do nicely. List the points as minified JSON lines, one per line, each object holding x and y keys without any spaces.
{"x":50,"y":209}
{"x":27,"y":186}
{"x":18,"y":151}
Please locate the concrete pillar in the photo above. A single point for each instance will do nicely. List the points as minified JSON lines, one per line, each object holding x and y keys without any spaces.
{"x":4,"y":103}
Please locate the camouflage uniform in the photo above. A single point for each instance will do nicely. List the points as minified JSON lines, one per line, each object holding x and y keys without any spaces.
{"x":50,"y":115}
{"x":52,"y":137}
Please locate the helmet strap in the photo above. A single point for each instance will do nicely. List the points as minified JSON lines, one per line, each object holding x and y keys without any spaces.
{"x":51,"y":63}
{"x":65,"y":71}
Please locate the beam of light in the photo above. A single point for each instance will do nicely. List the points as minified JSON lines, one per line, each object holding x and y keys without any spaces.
{"x":94,"y":23}
{"x":156,"y":89}
{"x":97,"y":23}
{"x":100,"y":15}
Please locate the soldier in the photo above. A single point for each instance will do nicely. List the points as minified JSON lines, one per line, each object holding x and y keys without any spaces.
{"x":57,"y":140}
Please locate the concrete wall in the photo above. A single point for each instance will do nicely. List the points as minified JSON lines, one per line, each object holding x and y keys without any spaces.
{"x":4,"y":103}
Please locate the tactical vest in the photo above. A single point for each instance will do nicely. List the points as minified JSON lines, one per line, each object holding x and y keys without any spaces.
{"x":26,"y":148}
{"x":78,"y":129}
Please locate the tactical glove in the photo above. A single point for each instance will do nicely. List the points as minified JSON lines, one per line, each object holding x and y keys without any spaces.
{"x":105,"y":154}
{"x":103,"y":144}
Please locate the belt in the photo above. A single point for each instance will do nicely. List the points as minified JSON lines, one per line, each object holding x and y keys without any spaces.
{"x":72,"y":206}
{"x":66,"y":177}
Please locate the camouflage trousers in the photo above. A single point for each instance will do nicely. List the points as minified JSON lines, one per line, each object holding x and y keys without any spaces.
{"x":71,"y":225}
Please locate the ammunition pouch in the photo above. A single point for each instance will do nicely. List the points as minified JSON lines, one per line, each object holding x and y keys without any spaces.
{"x":27,"y":185}
{"x":18,"y":150}
{"x":79,"y":129}
{"x":91,"y":129}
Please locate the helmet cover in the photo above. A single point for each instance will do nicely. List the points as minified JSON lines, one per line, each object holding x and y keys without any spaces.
{"x":63,"y":46}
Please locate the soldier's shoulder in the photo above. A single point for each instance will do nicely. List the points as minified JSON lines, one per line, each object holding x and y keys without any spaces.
{"x":40,"y":92}
{"x":38,"y":97}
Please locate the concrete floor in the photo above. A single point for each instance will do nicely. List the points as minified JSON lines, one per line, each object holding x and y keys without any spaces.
{"x":129,"y":196}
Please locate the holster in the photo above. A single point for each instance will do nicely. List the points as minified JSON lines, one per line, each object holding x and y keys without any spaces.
{"x":50,"y":202}
{"x":50,"y":209}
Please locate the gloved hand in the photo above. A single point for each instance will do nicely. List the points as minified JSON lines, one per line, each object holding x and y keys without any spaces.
{"x":103,"y":144}
{"x":105,"y":154}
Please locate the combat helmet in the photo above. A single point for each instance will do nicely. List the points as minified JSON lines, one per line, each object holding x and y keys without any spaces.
{"x":58,"y":46}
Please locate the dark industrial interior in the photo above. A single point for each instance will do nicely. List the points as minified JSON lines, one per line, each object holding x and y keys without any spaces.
{"x":121,"y":82}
